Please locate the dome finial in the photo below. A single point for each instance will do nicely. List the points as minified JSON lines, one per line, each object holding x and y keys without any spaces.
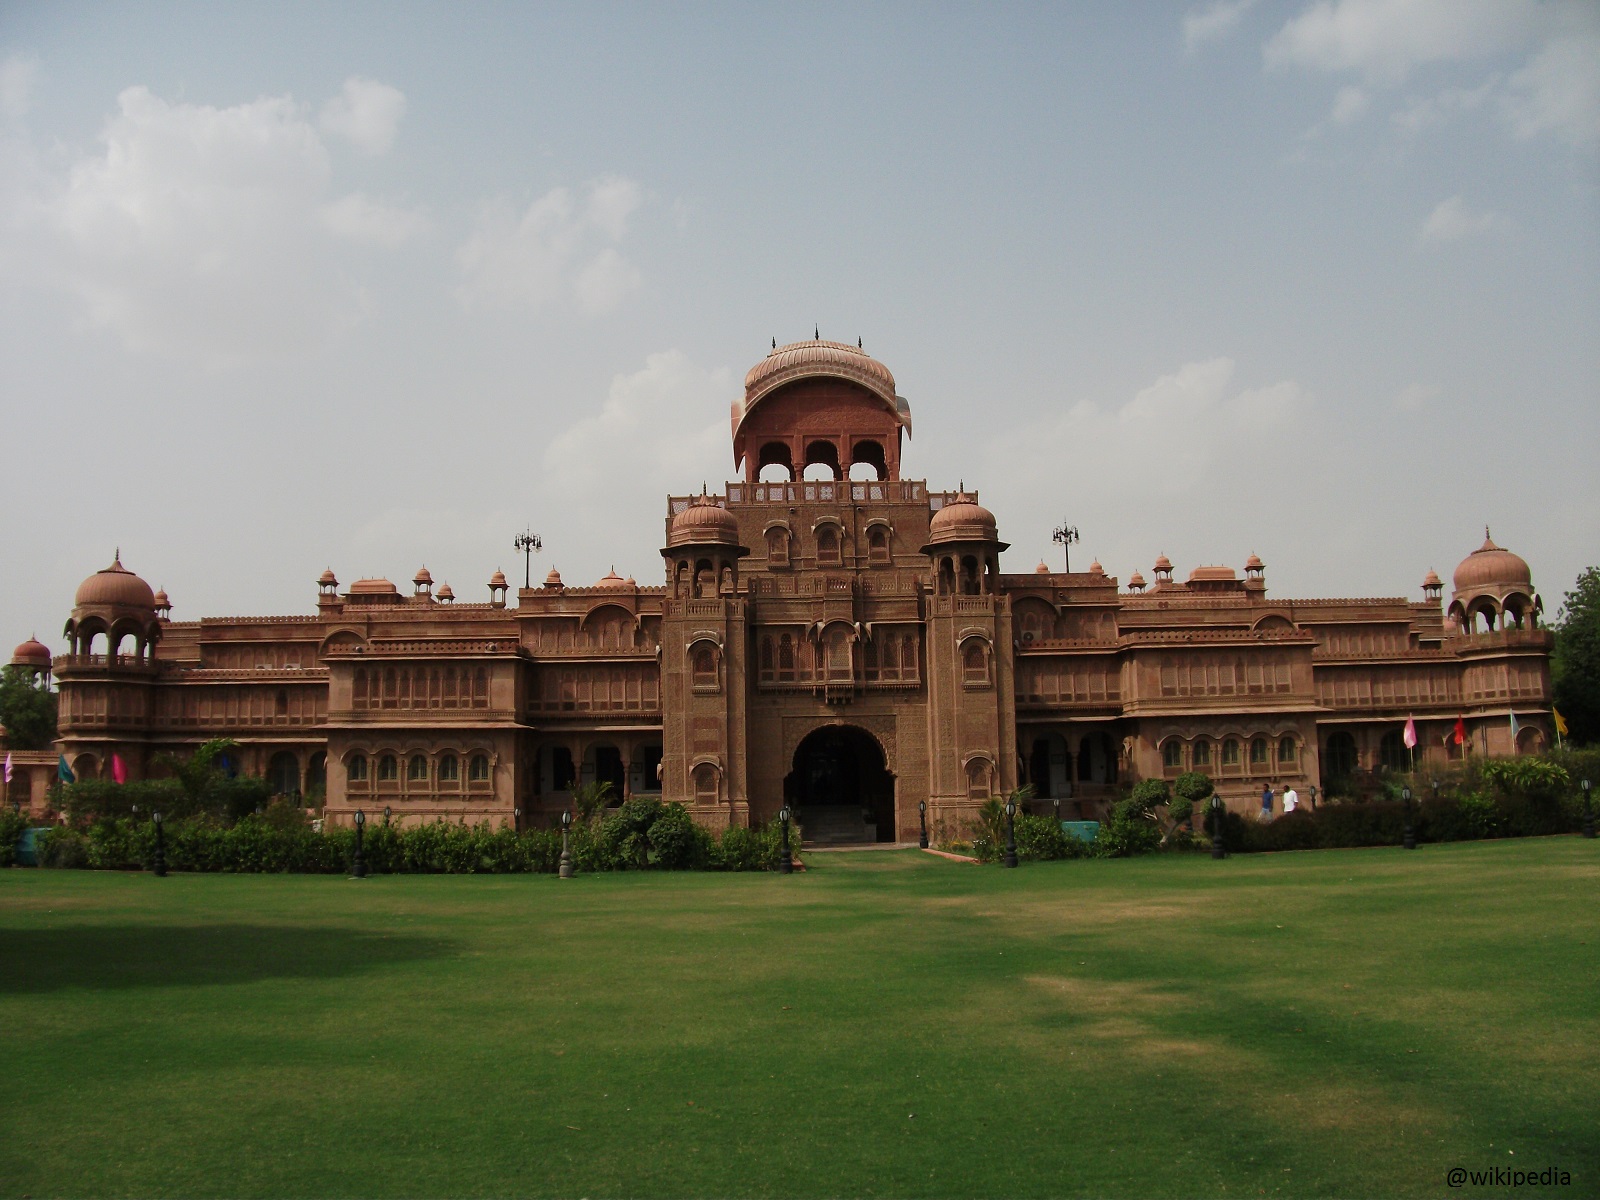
{"x":816,"y":334}
{"x":859,"y":346}
{"x":1486,"y":536}
{"x":774,"y":342}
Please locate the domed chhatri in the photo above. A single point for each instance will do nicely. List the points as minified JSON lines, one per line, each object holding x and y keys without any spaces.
{"x":115,"y":586}
{"x":498,"y":580}
{"x":32,"y":655}
{"x":816,"y":358}
{"x":553,"y":579}
{"x":1490,"y":565}
{"x":704,"y":523}
{"x":1493,"y":591}
{"x":612,"y":581}
{"x":962,"y":520}
{"x":1042,"y":568}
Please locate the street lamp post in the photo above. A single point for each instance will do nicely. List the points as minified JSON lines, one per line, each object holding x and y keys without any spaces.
{"x":922,"y":820}
{"x":1011,"y":833}
{"x":528,"y":544}
{"x":1434,"y":784}
{"x":1216,"y":826}
{"x":358,"y":869}
{"x":1313,"y":797}
{"x":161,"y":847}
{"x":387,"y":812}
{"x":1410,"y":840}
{"x":785,"y":865}
{"x":1065,"y":535}
{"x":566,"y":854}
{"x":1588,"y":813}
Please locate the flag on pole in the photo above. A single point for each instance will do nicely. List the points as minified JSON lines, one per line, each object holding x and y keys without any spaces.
{"x":119,"y":769}
{"x":8,"y":766}
{"x":1410,"y":735}
{"x":1461,"y":732}
{"x":1561,"y":725}
{"x":64,"y":772}
{"x":1515,"y":729}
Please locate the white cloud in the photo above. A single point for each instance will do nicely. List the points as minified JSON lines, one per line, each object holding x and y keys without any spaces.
{"x":1349,"y":106}
{"x":19,"y":74}
{"x":199,"y":232}
{"x":1415,"y":396}
{"x":366,"y":114}
{"x":1387,"y":39}
{"x":1212,"y":23}
{"x":1451,"y":220}
{"x":1430,"y":111}
{"x":1559,"y":91}
{"x":365,"y":220}
{"x":556,"y":248}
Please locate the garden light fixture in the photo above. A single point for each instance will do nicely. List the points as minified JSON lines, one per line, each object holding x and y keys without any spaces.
{"x":1011,"y":833}
{"x":785,"y":866}
{"x":1313,"y":790}
{"x":161,"y":847}
{"x":358,"y":869}
{"x":1588,"y":813}
{"x":1216,"y":825}
{"x":922,"y":820}
{"x":386,"y":812}
{"x":566,"y":854}
{"x":1410,"y":839}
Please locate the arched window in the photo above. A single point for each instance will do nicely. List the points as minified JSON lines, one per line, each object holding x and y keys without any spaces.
{"x":480,"y":688}
{"x":705,"y":784}
{"x":1339,"y":762}
{"x":969,"y":576}
{"x":978,"y":779}
{"x":417,"y":768}
{"x":478,"y":768}
{"x":356,"y":770}
{"x":778,"y":547}
{"x":283,"y":702}
{"x":388,"y":768}
{"x":391,"y":687}
{"x":705,"y":667}
{"x":1393,"y":753}
{"x":766,"y":657}
{"x":1286,"y":750}
{"x":974,"y":663}
{"x":786,"y":658}
{"x":1172,"y":754}
{"x":878,"y":546}
{"x":1258,"y":751}
{"x":562,"y":771}
{"x":1202,"y":753}
{"x":1230,"y":752}
{"x":947,"y":577}
{"x":358,"y":688}
{"x":827,"y":547}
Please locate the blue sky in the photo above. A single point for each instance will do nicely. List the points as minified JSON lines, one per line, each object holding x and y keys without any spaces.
{"x":291,"y":286}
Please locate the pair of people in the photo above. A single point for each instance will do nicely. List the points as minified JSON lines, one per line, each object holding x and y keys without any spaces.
{"x":1291,"y":800}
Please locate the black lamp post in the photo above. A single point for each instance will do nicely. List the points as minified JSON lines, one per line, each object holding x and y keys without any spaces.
{"x":161,"y":848}
{"x":566,"y":855}
{"x":1313,"y":797}
{"x":358,"y":869}
{"x":1410,"y":840}
{"x":1588,"y":813}
{"x":386,"y":813}
{"x":922,"y":821}
{"x":785,"y":866}
{"x":517,"y":813}
{"x":1434,"y":784}
{"x":1216,"y":826}
{"x":1064,"y":535}
{"x":527,"y":544}
{"x":1055,"y":804}
{"x":1011,"y":833}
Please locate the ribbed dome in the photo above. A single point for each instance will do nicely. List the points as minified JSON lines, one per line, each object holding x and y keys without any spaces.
{"x":1254,"y":563}
{"x":445,"y":592}
{"x":1163,"y":564}
{"x":553,"y":580}
{"x":116,"y":585}
{"x":962,"y":520}
{"x":328,"y":578}
{"x":1135,"y":582}
{"x":423,"y":576}
{"x":498,"y":579}
{"x":1432,"y":580}
{"x":799,"y":360}
{"x":32,"y":653}
{"x":704,"y":522}
{"x":1491,"y":566}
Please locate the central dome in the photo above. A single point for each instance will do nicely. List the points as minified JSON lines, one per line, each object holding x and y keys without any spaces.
{"x":962,"y":520}
{"x":115,"y":585}
{"x":817,"y":357}
{"x":1492,"y":566}
{"x":704,"y":522}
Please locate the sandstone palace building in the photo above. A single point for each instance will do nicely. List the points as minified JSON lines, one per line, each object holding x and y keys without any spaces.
{"x":847,"y":643}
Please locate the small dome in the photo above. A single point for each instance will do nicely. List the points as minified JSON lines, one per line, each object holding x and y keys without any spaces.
{"x":1095,"y":568}
{"x":445,"y":592}
{"x":422,"y":577}
{"x":1163,"y":564}
{"x":1490,"y":567}
{"x":612,"y":580}
{"x":1432,"y":580}
{"x":1135,"y":582}
{"x":328,"y":579}
{"x":962,"y":520}
{"x":32,"y":653}
{"x":704,"y":522}
{"x":1253,"y":563}
{"x":162,"y":603}
{"x":498,"y":580}
{"x":630,"y":581}
{"x":1041,"y":569}
{"x":373,"y":587}
{"x":553,"y":580}
{"x":115,"y":585}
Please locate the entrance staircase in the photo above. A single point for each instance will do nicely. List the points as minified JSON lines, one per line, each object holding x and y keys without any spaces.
{"x":836,"y":825}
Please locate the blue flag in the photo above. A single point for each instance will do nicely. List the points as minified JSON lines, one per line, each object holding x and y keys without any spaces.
{"x":64,"y":772}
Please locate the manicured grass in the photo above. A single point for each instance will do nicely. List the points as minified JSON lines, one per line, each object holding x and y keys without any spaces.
{"x":1349,"y":1023}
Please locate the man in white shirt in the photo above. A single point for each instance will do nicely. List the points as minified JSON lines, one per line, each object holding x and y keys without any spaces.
{"x":1290,"y":799}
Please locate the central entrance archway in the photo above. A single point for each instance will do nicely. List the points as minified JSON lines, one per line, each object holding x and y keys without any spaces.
{"x":840,"y":788}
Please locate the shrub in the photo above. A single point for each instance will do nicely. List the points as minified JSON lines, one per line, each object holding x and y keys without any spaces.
{"x":1127,"y":832}
{"x":62,"y":848}
{"x":679,"y":842}
{"x":12,"y":825}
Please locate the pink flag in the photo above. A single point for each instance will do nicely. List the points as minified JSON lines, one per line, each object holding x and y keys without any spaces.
{"x":119,"y":769}
{"x":1410,"y":736}
{"x":8,"y":766}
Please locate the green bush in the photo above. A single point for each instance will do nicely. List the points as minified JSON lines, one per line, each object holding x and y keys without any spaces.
{"x":62,"y":848}
{"x":12,"y":825}
{"x":1128,"y":831}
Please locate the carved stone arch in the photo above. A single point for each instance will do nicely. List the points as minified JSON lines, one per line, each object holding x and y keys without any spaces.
{"x":344,"y":639}
{"x":1273,"y":621}
{"x":970,"y":632}
{"x":703,"y":635}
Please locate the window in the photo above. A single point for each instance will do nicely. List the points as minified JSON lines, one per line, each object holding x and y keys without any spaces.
{"x":705,"y":783}
{"x":1230,"y":753}
{"x":878,"y":546}
{"x":478,"y":768}
{"x":357,"y":770}
{"x":974,"y":664}
{"x":778,"y":547}
{"x":1172,"y":754}
{"x":705,"y":667}
{"x":978,"y":779}
{"x":562,"y":771}
{"x":449,"y":769}
{"x":1202,"y":753}
{"x":786,"y":657}
{"x":827,"y":546}
{"x":1258,"y":751}
{"x":1286,"y":750}
{"x":388,"y":768}
{"x":283,"y":703}
{"x":417,"y":768}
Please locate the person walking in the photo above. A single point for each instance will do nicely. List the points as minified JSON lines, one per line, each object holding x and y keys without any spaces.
{"x":1266,"y":802}
{"x":1291,"y":800}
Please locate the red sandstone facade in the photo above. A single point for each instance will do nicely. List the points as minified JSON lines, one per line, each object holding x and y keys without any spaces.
{"x":848,"y":645}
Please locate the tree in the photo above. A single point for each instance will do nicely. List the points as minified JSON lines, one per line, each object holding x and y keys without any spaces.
{"x":1576,"y":665}
{"x":27,"y":710}
{"x":1193,"y":788}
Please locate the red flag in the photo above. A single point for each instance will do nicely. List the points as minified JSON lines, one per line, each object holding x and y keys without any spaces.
{"x":1409,"y":737}
{"x":119,"y":769}
{"x":1461,"y":731}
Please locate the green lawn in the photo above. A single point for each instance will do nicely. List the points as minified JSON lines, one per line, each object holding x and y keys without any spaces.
{"x":1349,"y":1023}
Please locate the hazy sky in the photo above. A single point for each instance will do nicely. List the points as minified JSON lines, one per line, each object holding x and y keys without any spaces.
{"x":292,"y":286}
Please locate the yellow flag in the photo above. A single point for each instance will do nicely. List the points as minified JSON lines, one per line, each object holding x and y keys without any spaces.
{"x":1561,"y":725}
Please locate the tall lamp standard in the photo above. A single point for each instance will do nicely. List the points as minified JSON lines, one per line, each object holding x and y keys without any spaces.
{"x":922,"y":820}
{"x":387,"y":812}
{"x":358,"y":869}
{"x":566,"y":854}
{"x":1065,"y":535}
{"x":1588,"y":813}
{"x":161,"y":847}
{"x":1410,"y":840}
{"x":785,"y":865}
{"x":1216,"y":826}
{"x":1313,"y":797}
{"x":1011,"y":833}
{"x":528,"y":544}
